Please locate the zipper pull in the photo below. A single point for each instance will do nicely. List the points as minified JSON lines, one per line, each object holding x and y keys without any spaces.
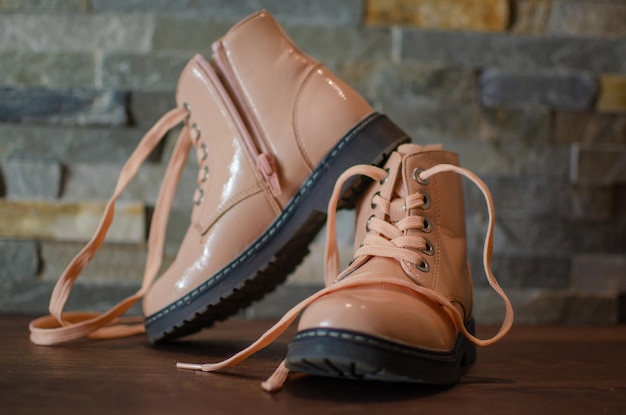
{"x":267,"y":166}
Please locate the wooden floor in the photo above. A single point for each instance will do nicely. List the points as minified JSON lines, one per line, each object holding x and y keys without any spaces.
{"x":533,"y":371}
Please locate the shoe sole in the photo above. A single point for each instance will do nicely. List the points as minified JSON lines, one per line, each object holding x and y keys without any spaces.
{"x":274,"y":255}
{"x":352,"y":355}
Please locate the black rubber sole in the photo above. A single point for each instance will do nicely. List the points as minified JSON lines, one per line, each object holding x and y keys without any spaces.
{"x":352,"y":355}
{"x":274,"y":255}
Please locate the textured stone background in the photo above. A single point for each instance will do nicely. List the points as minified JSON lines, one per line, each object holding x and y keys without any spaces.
{"x":530,"y":93}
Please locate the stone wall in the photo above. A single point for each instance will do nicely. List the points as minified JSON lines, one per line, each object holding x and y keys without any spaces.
{"x":530,"y":93}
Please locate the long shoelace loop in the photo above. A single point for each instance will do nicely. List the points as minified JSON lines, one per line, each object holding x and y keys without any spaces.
{"x":334,"y":281}
{"x":59,"y":326}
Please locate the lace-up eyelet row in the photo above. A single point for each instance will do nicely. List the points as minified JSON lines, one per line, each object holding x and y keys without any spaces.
{"x":202,"y":153}
{"x":372,"y":204}
{"x":424,"y":267}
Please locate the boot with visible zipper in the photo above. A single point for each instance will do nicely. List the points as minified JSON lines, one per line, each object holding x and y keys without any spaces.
{"x":402,"y":310}
{"x":272,"y":130}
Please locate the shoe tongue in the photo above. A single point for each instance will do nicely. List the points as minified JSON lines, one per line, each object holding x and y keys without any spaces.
{"x":382,"y":267}
{"x":405,"y":149}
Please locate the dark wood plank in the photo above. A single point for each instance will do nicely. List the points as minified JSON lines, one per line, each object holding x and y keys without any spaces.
{"x":536,"y":370}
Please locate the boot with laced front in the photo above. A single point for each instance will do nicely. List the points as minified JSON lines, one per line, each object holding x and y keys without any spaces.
{"x":402,"y":310}
{"x":271,"y":129}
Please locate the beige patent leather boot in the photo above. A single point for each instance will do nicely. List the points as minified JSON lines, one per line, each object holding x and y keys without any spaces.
{"x":410,"y":233}
{"x":272,"y":130}
{"x":402,"y":309}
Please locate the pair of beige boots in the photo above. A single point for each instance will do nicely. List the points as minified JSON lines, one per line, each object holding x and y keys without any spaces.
{"x":281,"y":142}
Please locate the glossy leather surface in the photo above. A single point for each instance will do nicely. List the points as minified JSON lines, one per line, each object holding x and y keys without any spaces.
{"x":391,"y":313}
{"x":265,"y":88}
{"x":299,"y":109}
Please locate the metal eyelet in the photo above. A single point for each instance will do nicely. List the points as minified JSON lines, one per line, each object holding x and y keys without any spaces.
{"x":417,"y":178}
{"x":195,"y":132}
{"x":428,"y":227}
{"x":205,"y":152}
{"x":367,"y":224}
{"x":372,"y":204}
{"x":429,"y":250}
{"x":203,"y":175}
{"x":198,"y":196}
{"x":426,"y":198}
{"x":386,"y":177}
{"x":424,"y":267}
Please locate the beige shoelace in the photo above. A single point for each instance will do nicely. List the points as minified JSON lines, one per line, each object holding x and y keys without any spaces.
{"x":392,"y":244}
{"x":59,"y":326}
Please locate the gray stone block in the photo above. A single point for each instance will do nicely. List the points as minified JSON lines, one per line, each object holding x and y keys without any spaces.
{"x":518,"y":52}
{"x":546,"y":307}
{"x":554,"y":237}
{"x":598,"y":164}
{"x":599,"y":273}
{"x":301,"y":12}
{"x":588,"y":127}
{"x":145,"y":108}
{"x":143,"y":72}
{"x":586,"y":18}
{"x":68,"y":107}
{"x":32,"y":179}
{"x":54,"y":70}
{"x":193,"y":34}
{"x":19,"y":260}
{"x":541,"y":197}
{"x":342,"y":43}
{"x":523,"y":272}
{"x":121,"y":264}
{"x":560,"y":90}
{"x":48,"y":6}
{"x":67,"y":144}
{"x":382,"y":81}
{"x":69,"y":32}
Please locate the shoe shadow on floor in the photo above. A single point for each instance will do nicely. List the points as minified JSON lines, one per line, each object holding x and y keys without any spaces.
{"x":349,"y":390}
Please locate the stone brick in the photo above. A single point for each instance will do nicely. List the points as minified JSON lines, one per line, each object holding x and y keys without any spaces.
{"x":68,"y":107}
{"x":145,"y":108}
{"x":558,"y":237}
{"x":122,"y":264}
{"x":598,"y":164}
{"x":488,"y":15}
{"x":524,"y":272}
{"x":18,"y":259}
{"x":589,"y":127}
{"x":420,"y":83}
{"x":67,"y":144}
{"x":612,"y":93}
{"x":32,"y":179}
{"x":193,"y":34}
{"x":588,"y":18}
{"x":542,"y":197}
{"x":342,"y":43}
{"x":44,"y":5}
{"x":32,"y":297}
{"x":530,"y":16}
{"x":568,"y":91}
{"x":301,"y":12}
{"x":530,"y":126}
{"x":546,"y":307}
{"x":75,"y":32}
{"x":98,"y":181}
{"x":599,"y":273}
{"x":55,"y":70}
{"x":69,"y":221}
{"x":517,"y":52}
{"x":143,"y":72}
